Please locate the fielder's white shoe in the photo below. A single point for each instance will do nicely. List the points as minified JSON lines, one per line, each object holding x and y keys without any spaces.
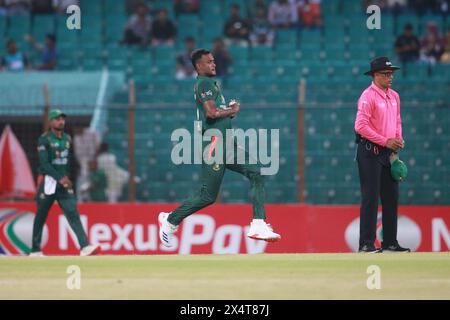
{"x":90,"y":250}
{"x":37,"y":254}
{"x":166,"y":230}
{"x":260,"y":230}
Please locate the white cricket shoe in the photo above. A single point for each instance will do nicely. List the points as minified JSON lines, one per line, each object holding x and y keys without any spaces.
{"x":37,"y":254}
{"x":90,"y":250}
{"x":260,"y":230}
{"x":166,"y":230}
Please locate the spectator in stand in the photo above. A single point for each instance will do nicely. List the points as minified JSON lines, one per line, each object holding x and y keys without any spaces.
{"x":185,"y":69}
{"x":432,"y":45}
{"x":138,"y":28}
{"x":283,"y":14}
{"x":262,"y":32}
{"x":255,"y":6}
{"x":115,"y":175}
{"x":186,"y":6}
{"x":380,"y":3}
{"x":163,"y":30}
{"x":130,"y":5}
{"x":309,"y":13}
{"x":98,"y":183}
{"x":85,"y":146}
{"x":18,"y":7}
{"x":445,"y":58}
{"x":407,"y":45}
{"x":222,"y":58}
{"x":62,"y":5}
{"x":42,"y":7}
{"x":443,"y":7}
{"x":237,"y":29}
{"x":396,"y":6}
{"x":48,"y":51}
{"x":423,"y":7}
{"x":14,"y":60}
{"x":3,"y":11}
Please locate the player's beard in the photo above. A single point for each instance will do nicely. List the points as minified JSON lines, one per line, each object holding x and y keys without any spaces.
{"x":212,"y":73}
{"x":59,"y":128}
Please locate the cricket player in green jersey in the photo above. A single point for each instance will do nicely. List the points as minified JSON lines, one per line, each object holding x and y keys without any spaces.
{"x":214,"y":114}
{"x":54,"y":147}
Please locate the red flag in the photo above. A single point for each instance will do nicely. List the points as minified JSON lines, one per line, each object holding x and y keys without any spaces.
{"x":16,"y":179}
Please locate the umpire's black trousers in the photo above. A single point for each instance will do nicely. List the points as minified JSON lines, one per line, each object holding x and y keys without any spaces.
{"x":376,"y":183}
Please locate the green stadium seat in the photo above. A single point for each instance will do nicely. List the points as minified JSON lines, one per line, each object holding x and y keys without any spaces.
{"x":214,"y":30}
{"x":141,"y":66}
{"x":92,"y":52}
{"x":432,"y":18}
{"x":3,"y":25}
{"x":286,"y":37}
{"x":114,"y":27}
{"x":329,"y":8}
{"x":43,"y":25}
{"x":91,"y":6}
{"x":270,"y":76}
{"x":66,"y":64}
{"x":242,"y":7}
{"x":188,"y":26}
{"x":163,"y":4}
{"x":239,"y":53}
{"x":261,"y":53}
{"x":309,"y":54}
{"x":313,"y":37}
{"x":335,"y":53}
{"x":115,"y":7}
{"x":67,"y":37}
{"x":161,"y":53}
{"x":92,"y":64}
{"x":441,"y":72}
{"x":214,"y":8}
{"x":403,"y":19}
{"x":286,"y":52}
{"x":94,"y":37}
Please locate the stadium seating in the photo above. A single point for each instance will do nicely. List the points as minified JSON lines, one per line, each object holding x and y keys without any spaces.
{"x":332,"y":61}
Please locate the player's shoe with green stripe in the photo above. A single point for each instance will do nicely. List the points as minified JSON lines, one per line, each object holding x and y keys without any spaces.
{"x":260,"y":230}
{"x":166,"y":230}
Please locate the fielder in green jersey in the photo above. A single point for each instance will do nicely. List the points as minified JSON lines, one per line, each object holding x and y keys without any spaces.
{"x":54,"y":150}
{"x":215,"y":114}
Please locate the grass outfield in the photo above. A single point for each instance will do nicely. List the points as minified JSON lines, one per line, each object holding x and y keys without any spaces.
{"x":262,"y":276}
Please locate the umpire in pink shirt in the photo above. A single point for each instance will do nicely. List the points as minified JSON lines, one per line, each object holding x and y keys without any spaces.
{"x":378,"y":129}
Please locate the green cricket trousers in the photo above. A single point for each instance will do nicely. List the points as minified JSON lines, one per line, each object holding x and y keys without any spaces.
{"x":211,"y":179}
{"x":68,"y":203}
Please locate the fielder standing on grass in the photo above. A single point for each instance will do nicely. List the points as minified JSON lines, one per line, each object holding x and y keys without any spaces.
{"x":215,"y":114}
{"x":54,"y":148}
{"x":378,"y":128}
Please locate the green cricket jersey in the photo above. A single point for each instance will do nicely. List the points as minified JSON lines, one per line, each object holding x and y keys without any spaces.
{"x":54,"y":154}
{"x":206,"y":88}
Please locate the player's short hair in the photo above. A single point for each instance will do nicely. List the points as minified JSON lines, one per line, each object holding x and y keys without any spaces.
{"x":197,"y":55}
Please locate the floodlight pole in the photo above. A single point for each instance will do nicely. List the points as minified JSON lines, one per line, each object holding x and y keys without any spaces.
{"x":301,"y":139}
{"x":131,"y":134}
